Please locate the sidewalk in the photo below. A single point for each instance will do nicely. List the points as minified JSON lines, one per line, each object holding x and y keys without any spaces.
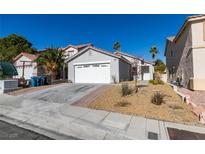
{"x":62,"y":121}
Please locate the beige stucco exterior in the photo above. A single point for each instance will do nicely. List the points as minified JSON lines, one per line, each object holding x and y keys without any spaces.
{"x":185,"y":57}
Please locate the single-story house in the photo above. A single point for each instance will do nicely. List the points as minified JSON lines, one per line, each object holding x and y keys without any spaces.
{"x":25,"y":65}
{"x":94,"y":65}
{"x":185,"y":54}
{"x":146,"y":68}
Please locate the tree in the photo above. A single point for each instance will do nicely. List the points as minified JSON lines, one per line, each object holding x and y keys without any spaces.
{"x":136,"y":71}
{"x":159,"y":66}
{"x":117,"y":46}
{"x":154,"y":51}
{"x":52,"y":60}
{"x":13,"y":45}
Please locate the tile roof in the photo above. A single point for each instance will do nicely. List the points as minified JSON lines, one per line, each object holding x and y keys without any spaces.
{"x":28,"y":55}
{"x":79,"y":47}
{"x":99,"y":50}
{"x":132,"y":56}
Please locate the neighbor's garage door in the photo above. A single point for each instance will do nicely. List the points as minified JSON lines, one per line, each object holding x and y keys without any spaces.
{"x":92,"y":73}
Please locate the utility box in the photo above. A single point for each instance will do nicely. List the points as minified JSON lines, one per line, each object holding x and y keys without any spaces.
{"x":8,"y":85}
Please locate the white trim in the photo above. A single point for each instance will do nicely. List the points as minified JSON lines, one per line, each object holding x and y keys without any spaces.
{"x":95,"y":62}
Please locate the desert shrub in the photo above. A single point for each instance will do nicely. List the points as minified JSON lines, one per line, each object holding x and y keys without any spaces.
{"x":157,"y":79}
{"x":156,"y":82}
{"x":126,"y":90}
{"x":122,"y":104}
{"x":157,"y":98}
{"x":152,"y":81}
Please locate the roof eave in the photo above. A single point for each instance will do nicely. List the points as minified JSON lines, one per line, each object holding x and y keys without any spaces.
{"x":186,"y":23}
{"x":96,"y":49}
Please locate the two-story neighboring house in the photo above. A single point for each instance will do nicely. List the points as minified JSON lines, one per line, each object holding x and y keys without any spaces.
{"x":185,"y":54}
{"x":71,"y":50}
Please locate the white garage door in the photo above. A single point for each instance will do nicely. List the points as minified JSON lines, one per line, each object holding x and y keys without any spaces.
{"x":92,"y":73}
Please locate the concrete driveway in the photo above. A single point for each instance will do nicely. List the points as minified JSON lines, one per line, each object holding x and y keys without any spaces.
{"x":49,"y":112}
{"x":66,"y":93}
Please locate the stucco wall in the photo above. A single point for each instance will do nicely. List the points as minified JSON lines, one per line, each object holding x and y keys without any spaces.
{"x":198,"y":47}
{"x":124,"y":71}
{"x":199,"y":63}
{"x":189,"y":58}
{"x":93,"y":56}
{"x":29,"y":69}
{"x":146,"y":75}
{"x":197,"y":34}
{"x":181,"y":63}
{"x":70,"y":52}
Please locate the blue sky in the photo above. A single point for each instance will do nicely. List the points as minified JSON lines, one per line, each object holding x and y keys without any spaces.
{"x":136,"y":33}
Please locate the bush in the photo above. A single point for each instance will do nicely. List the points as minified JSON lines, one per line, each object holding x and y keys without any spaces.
{"x":157,"y":98}
{"x":125,"y":89}
{"x":156,"y":82}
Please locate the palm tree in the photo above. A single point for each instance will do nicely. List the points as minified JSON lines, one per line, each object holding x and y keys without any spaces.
{"x":51,"y":60}
{"x":117,"y":46}
{"x":154,"y":52}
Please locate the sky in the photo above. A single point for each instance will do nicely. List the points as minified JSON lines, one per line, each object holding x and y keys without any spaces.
{"x":136,"y":33}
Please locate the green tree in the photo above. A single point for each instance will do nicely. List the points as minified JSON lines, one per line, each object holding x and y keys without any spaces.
{"x":52,"y":60}
{"x":12,"y":45}
{"x":117,"y":46}
{"x":154,"y":51}
{"x":159,"y":66}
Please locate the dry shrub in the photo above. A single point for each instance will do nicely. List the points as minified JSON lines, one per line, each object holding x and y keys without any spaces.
{"x":157,"y":98}
{"x":122,"y":104}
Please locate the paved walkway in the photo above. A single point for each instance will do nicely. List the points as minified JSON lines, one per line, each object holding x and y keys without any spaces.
{"x":63,"y":121}
{"x":197,"y":101}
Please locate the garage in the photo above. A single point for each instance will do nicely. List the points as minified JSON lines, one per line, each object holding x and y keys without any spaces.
{"x":94,"y":65}
{"x":92,"y":73}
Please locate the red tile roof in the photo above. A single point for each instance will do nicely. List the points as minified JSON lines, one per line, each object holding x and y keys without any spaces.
{"x":28,"y":55}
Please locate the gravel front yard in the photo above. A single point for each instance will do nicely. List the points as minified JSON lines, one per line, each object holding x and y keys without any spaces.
{"x":173,"y":109}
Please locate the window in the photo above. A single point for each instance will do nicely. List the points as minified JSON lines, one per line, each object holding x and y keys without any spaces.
{"x":171,"y":53}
